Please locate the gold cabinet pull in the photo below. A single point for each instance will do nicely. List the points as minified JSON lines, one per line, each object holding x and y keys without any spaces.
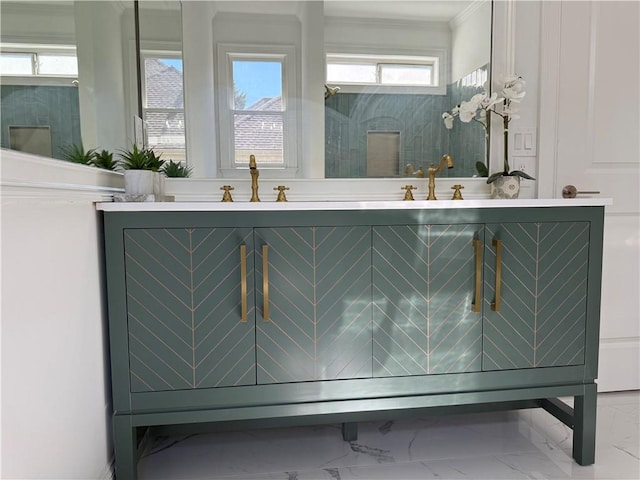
{"x":476,"y":304}
{"x":265,"y":282}
{"x":495,"y":305}
{"x":243,"y":283}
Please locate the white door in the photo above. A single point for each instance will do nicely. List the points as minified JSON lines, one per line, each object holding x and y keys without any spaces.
{"x":590,"y":138}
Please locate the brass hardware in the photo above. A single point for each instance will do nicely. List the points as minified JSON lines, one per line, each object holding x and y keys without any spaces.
{"x":408,"y":195}
{"x":255,"y":173}
{"x":226,"y":196}
{"x":448,"y":159}
{"x":495,"y":306}
{"x":243,"y":283}
{"x":476,"y":305}
{"x":265,"y":282}
{"x":408,"y":171}
{"x":281,"y":196}
{"x":457,"y":194}
{"x":569,"y":191}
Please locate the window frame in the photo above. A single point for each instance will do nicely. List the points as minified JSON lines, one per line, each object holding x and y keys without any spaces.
{"x":286,"y":55}
{"x":35,"y":77}
{"x":435,"y":58}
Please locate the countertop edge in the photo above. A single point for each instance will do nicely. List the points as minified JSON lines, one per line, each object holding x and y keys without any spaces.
{"x":345,"y":205}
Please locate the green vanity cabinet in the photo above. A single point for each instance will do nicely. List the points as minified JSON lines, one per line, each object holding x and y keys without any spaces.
{"x":315,"y":284}
{"x":535,"y":294}
{"x":424,"y":281}
{"x":274,"y":316}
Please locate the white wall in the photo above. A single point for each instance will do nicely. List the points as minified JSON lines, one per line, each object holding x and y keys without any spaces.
{"x":470,"y":43}
{"x":49,"y":24}
{"x":56,"y":410}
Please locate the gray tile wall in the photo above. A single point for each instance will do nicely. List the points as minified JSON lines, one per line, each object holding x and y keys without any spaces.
{"x":56,"y":107}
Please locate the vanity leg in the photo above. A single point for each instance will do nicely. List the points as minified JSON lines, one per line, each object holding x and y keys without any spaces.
{"x":584,"y":429}
{"x":350,"y":432}
{"x":125,"y":448}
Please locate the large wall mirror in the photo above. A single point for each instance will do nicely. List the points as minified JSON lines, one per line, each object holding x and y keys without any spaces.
{"x":67,"y":69}
{"x":391,"y":68}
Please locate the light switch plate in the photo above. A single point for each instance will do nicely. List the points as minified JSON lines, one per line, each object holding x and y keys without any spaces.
{"x":524,"y":142}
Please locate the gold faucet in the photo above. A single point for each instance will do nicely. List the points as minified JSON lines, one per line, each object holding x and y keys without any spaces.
{"x":432,"y":174}
{"x":255,"y":173}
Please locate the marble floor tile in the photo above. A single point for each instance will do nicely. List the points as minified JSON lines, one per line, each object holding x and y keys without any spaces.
{"x":527,"y":444}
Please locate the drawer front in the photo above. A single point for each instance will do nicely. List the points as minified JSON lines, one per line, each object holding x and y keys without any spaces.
{"x":184,"y":308}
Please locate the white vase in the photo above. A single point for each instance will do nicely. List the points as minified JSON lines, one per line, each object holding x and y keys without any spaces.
{"x":158,"y":185}
{"x":139,"y":182}
{"x":505,"y":186}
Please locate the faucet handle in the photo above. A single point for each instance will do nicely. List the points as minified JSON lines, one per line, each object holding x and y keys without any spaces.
{"x":226,"y":196}
{"x":457,"y":194}
{"x":408,"y":195}
{"x":281,"y":196}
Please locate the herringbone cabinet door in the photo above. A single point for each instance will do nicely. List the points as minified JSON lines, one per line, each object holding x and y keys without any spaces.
{"x":319,"y":294}
{"x":542,"y":315}
{"x":184,"y":308}
{"x":423,"y":285}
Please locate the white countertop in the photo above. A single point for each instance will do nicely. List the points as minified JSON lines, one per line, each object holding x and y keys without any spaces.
{"x":345,"y":205}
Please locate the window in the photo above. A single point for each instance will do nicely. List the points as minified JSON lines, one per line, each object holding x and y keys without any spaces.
{"x":163,"y":104}
{"x":257,"y":108}
{"x":388,"y":73}
{"x":36,"y":61}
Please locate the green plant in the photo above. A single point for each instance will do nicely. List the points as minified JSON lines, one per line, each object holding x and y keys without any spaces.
{"x":176,"y":169}
{"x":482,"y":169}
{"x":77,"y":154}
{"x":155,"y":163}
{"x":135,"y":159}
{"x":104,"y":159}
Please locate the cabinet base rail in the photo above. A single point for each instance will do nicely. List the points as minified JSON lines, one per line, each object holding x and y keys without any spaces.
{"x":132,"y":431}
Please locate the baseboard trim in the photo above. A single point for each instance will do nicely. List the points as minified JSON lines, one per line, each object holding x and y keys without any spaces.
{"x":619,"y":367}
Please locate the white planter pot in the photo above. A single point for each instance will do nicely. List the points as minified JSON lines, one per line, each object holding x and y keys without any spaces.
{"x":505,"y":187}
{"x":139,"y":182}
{"x":158,"y":185}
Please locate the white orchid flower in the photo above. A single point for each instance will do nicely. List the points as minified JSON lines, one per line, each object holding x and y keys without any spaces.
{"x":511,"y":94}
{"x":488,"y":102}
{"x":478,"y":98}
{"x":448,"y":120}
{"x":468,"y":111}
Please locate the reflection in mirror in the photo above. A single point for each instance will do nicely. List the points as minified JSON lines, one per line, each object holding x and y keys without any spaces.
{"x":66,"y":69}
{"x":368,"y":90}
{"x":160,"y":30}
{"x":398,"y":66}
